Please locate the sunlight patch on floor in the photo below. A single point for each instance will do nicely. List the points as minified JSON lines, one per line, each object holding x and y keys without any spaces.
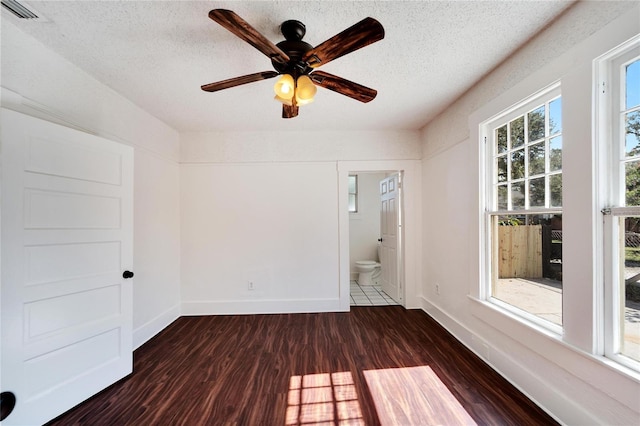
{"x":414,"y":396}
{"x":326,"y":398}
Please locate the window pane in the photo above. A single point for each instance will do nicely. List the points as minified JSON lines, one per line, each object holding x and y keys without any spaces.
{"x":630,"y":314}
{"x":528,"y":269}
{"x":501,"y":138}
{"x":525,"y":256}
{"x":632,"y":136}
{"x":352,"y":184}
{"x":502,"y":197}
{"x":632,"y":84}
{"x":555,"y":154}
{"x":555,"y":116}
{"x":536,"y":159}
{"x":517,"y":132}
{"x":536,"y":192}
{"x":632,"y":183}
{"x":517,"y":164}
{"x":555,"y":190}
{"x":517,"y":196}
{"x":352,"y":203}
{"x":536,"y":124}
{"x":502,"y":168}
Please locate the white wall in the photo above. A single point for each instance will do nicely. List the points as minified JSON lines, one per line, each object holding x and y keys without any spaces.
{"x":156,"y":245}
{"x":39,"y":82}
{"x":266,"y":146}
{"x":364,"y":226}
{"x":274,"y":225}
{"x":566,"y":374}
{"x":264,"y":207}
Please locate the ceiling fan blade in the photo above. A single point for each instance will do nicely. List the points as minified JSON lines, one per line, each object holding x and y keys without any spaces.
{"x":246,"y":32}
{"x":343,"y":86}
{"x":353,"y":38}
{"x":289,"y":111}
{"x":237,"y":81}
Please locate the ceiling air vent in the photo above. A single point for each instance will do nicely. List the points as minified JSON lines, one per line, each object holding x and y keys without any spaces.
{"x":20,"y":10}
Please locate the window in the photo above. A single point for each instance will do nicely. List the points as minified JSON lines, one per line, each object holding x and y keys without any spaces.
{"x":353,"y":193}
{"x":619,"y":140}
{"x":523,"y":205}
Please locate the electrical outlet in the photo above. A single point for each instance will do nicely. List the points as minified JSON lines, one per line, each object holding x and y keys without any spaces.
{"x":437,"y":288}
{"x":250,"y":286}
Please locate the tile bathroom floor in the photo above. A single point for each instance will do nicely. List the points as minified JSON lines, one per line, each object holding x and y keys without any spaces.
{"x":369,"y":295}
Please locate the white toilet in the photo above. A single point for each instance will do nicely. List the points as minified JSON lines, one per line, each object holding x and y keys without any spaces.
{"x":368,"y":270}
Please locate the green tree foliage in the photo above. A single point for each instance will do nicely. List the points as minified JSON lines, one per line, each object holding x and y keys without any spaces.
{"x":633,"y":125}
{"x":511,"y":138}
{"x":632,"y":169}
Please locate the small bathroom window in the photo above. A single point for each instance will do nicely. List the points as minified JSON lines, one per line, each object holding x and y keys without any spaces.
{"x":353,"y":194}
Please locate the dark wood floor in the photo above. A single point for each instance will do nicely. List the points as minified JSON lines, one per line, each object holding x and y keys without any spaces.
{"x":374,"y":365}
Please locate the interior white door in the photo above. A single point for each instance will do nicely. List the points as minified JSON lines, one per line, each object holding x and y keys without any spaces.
{"x":67,"y":234}
{"x":390,"y":235}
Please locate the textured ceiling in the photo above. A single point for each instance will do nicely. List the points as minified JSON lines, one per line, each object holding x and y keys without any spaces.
{"x":159,"y":53}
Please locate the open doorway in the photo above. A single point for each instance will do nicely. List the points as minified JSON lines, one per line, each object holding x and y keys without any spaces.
{"x":375,"y":238}
{"x":409,"y":266}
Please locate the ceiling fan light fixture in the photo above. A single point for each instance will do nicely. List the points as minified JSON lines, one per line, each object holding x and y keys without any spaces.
{"x":305,"y":90}
{"x":285,"y":101}
{"x":285,"y":87}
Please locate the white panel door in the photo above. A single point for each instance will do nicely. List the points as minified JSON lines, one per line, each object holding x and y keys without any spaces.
{"x":389,"y":231}
{"x":67,"y":234}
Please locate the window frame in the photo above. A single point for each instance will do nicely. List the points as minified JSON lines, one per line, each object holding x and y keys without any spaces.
{"x":609,"y":124}
{"x":488,"y":195}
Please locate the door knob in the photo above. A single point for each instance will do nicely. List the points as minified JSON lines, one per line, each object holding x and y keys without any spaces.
{"x":7,"y":404}
{"x":127,"y":274}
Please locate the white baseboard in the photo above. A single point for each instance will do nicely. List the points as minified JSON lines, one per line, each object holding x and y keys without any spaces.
{"x":145,"y":332}
{"x":557,"y":404}
{"x":234,"y":307}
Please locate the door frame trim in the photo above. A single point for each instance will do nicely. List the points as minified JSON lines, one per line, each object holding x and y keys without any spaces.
{"x":412,"y":240}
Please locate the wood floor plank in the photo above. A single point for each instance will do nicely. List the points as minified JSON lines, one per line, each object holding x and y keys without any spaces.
{"x":371,"y":366}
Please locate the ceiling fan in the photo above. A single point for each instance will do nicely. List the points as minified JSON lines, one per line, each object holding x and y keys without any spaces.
{"x":295,"y":60}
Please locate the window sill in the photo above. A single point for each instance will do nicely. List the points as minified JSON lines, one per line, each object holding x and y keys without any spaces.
{"x":543,"y":341}
{"x":495,"y":315}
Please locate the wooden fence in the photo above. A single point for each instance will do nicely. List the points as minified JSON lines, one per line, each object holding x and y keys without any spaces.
{"x":520,"y":251}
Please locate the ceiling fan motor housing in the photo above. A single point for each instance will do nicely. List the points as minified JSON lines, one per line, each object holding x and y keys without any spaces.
{"x":294,"y":47}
